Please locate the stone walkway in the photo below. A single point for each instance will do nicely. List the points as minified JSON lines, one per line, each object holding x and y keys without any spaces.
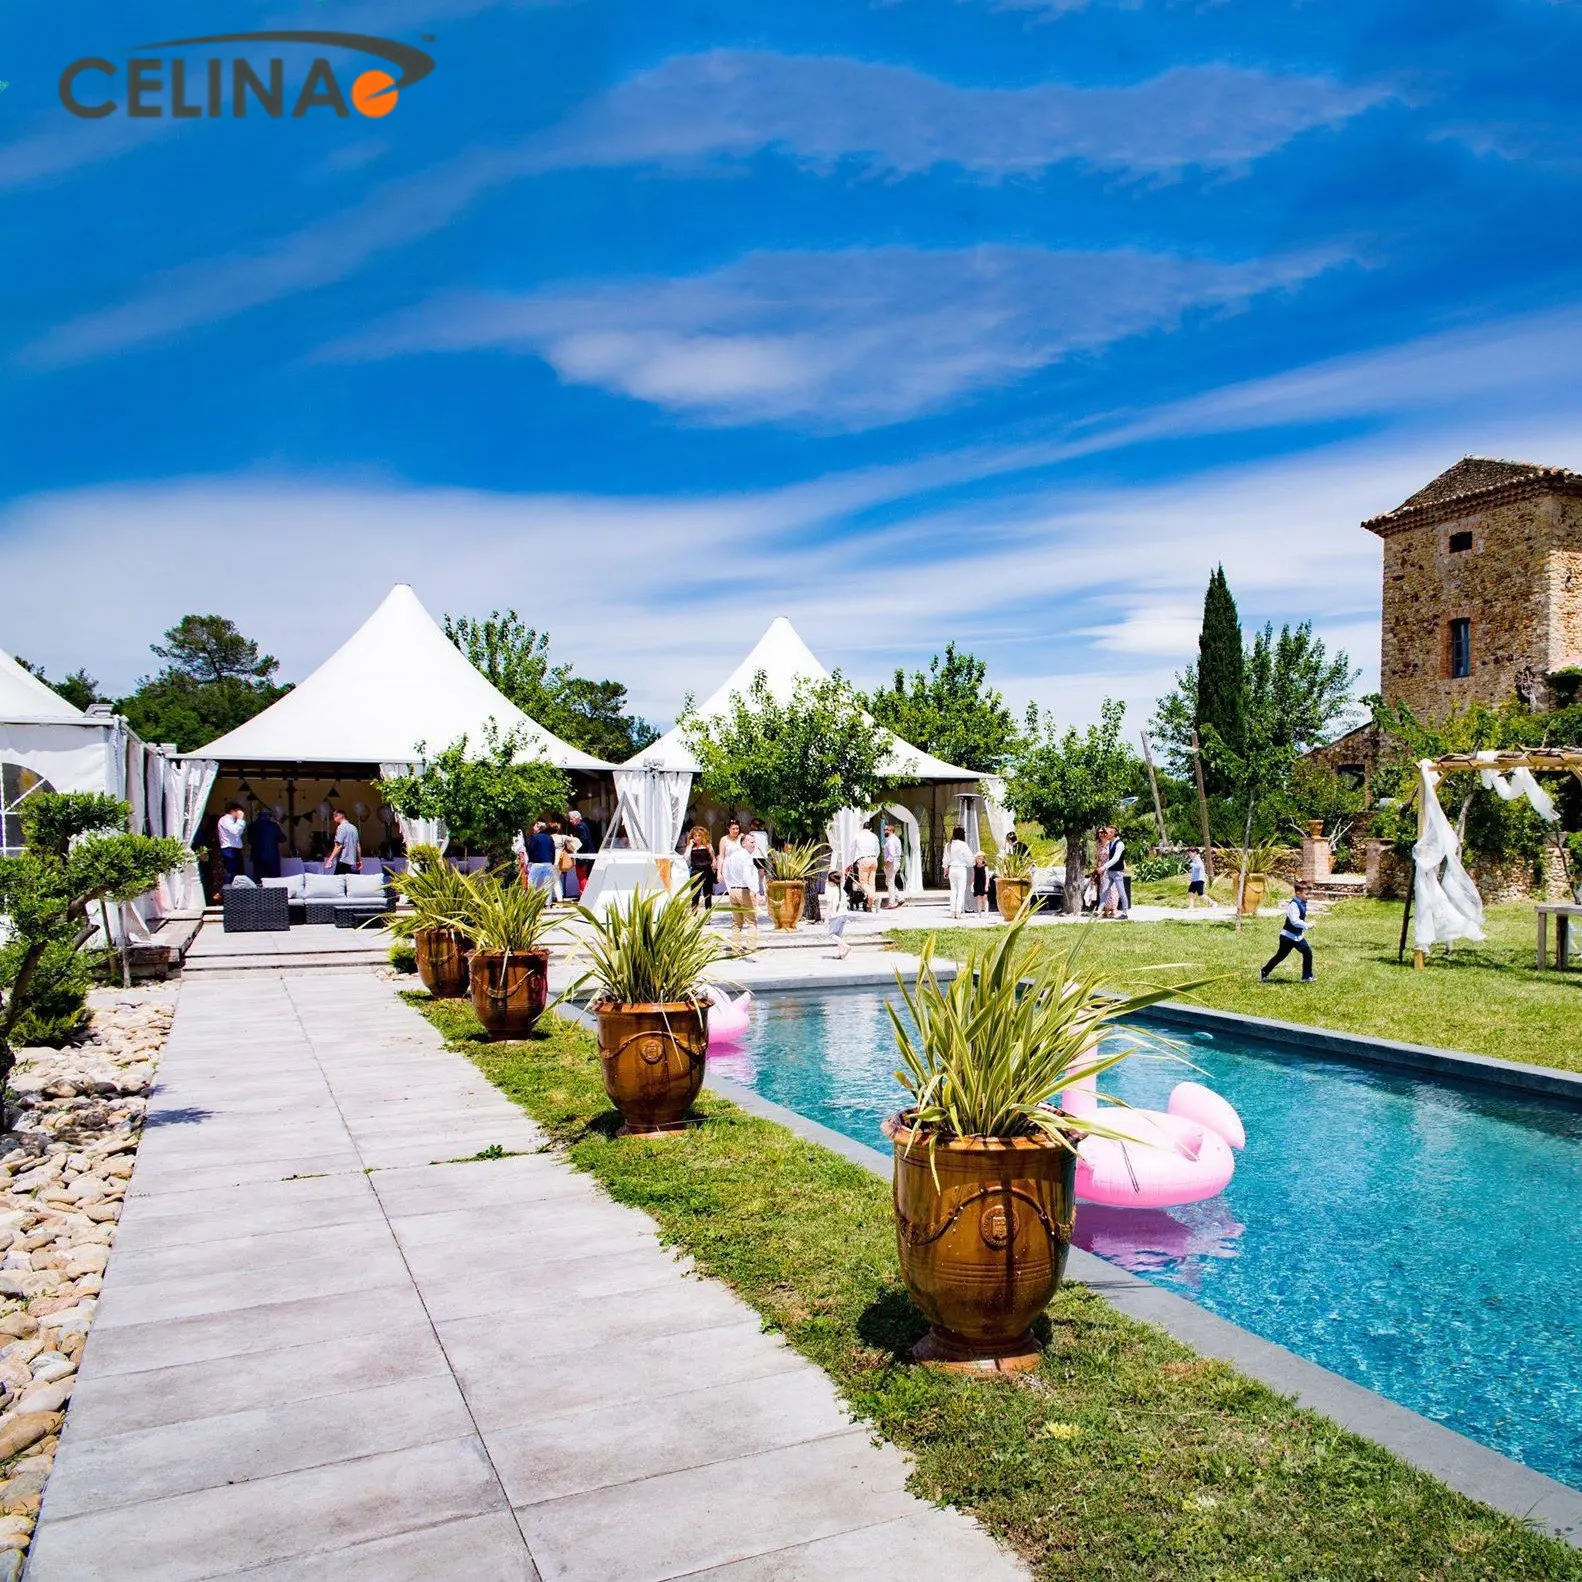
{"x":326,"y":1350}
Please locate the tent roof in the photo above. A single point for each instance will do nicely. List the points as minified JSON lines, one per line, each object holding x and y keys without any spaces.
{"x":24,"y":697}
{"x":396,"y":682}
{"x":785,"y":659}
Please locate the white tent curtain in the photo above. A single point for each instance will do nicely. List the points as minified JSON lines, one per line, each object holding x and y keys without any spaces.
{"x":1002,"y":821}
{"x":912,"y":872}
{"x":1447,"y":903}
{"x":195,"y":782}
{"x":417,"y":831}
{"x":842,"y":837}
{"x":659,"y":798}
{"x":968,"y":805}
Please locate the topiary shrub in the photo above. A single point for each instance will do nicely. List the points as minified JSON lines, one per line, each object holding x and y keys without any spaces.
{"x":57,"y":998}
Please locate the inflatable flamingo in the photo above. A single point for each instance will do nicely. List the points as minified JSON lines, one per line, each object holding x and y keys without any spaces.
{"x":1160,"y":1159}
{"x":728,"y":1018}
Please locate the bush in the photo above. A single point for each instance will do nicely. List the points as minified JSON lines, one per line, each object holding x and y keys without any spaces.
{"x":403,"y":956}
{"x":1163,"y":866}
{"x":57,"y":998}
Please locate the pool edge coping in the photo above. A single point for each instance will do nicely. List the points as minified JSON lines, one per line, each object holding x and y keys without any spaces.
{"x":1461,"y":1463}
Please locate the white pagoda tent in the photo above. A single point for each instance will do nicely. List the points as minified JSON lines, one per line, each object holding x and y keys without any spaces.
{"x":657,"y":782}
{"x":395,"y":689}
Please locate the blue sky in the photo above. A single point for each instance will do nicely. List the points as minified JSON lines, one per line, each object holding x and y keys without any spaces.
{"x":914,"y":320}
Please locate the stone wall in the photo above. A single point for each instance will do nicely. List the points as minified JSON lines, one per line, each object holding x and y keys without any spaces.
{"x":1519,"y":585}
{"x":1497,"y":878}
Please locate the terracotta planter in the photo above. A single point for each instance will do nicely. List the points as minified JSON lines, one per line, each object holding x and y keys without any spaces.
{"x":785,"y":901}
{"x":509,"y":989}
{"x":653,"y":1058}
{"x":1012,"y":895}
{"x":1252,"y":894}
{"x":442,"y":962}
{"x":983,"y":1251}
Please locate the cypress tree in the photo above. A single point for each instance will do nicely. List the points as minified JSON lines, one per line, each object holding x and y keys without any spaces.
{"x":1219,"y":670}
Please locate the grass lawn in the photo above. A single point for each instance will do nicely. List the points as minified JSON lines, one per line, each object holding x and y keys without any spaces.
{"x":1488,"y":998}
{"x":1125,"y":1455}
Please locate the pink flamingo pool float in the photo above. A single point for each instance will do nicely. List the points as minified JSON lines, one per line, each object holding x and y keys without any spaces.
{"x":1161,"y":1158}
{"x":728,"y":1019}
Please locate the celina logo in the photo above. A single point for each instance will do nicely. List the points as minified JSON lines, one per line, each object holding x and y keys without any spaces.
{"x":185,"y":88}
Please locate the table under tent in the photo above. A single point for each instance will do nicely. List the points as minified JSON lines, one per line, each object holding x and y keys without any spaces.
{"x":1445,"y":900}
{"x":49,"y":744}
{"x":656,"y":804}
{"x":395,"y":689}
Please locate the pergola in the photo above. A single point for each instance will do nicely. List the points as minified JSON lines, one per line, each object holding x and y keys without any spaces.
{"x":1534,"y":760}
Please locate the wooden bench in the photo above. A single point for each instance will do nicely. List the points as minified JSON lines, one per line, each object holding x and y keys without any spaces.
{"x":1562,"y":912}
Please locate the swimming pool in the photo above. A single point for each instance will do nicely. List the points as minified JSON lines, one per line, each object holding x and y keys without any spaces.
{"x":1421,"y":1238}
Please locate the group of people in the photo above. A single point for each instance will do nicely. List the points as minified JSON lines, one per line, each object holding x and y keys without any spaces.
{"x":235,"y":833}
{"x":557,"y":856}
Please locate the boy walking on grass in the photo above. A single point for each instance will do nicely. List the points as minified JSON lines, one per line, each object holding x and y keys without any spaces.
{"x":1293,"y":936}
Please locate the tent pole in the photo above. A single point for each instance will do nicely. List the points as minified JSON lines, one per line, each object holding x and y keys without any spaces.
{"x":1153,"y":782}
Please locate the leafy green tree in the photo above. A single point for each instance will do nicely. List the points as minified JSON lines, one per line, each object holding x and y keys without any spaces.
{"x":214,"y":679}
{"x":795,"y":764}
{"x":951,"y":711}
{"x":485,"y":800}
{"x":1072,"y":782}
{"x":591,"y":715}
{"x":77,"y":853}
{"x":1220,"y":668}
{"x":79,"y":688}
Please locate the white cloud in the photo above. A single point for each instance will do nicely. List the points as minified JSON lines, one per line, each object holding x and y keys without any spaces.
{"x":826,"y":109}
{"x":841,"y":339}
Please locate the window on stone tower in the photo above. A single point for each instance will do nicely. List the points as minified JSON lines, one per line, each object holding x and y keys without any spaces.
{"x":1461,"y":648}
{"x":1459,"y":542}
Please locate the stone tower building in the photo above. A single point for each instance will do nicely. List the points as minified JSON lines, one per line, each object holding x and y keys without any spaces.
{"x":1482,"y":586}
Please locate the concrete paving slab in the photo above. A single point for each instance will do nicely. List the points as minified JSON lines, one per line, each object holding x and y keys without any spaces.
{"x":320,"y":1354}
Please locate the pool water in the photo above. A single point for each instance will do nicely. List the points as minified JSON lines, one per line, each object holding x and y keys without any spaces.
{"x":1422,"y":1238}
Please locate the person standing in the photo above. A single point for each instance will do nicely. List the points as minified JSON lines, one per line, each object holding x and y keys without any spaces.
{"x":1293,"y":936}
{"x":1112,"y":883}
{"x":866,"y":850}
{"x":1197,"y":879}
{"x":741,"y":880}
{"x":980,"y":884}
{"x":346,"y":848}
{"x":729,"y":841}
{"x":231,"y":827}
{"x":758,"y":840}
{"x":890,"y":850}
{"x":700,"y":864}
{"x":958,"y":867}
{"x":266,"y":837}
{"x":566,"y":862}
{"x":539,"y":857}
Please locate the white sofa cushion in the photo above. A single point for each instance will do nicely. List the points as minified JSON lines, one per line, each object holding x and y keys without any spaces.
{"x":324,"y":887}
{"x":291,"y":883}
{"x":364,"y":887}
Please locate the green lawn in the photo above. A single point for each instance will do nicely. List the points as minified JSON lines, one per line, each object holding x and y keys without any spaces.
{"x":1124,"y":1456}
{"x":1487,"y":998}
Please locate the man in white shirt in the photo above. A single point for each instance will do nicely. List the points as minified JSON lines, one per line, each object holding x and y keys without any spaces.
{"x":866,"y":850}
{"x":892,"y":864}
{"x":232,"y":826}
{"x":741,"y":880}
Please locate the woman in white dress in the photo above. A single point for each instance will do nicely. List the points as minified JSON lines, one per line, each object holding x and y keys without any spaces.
{"x":958,"y":869}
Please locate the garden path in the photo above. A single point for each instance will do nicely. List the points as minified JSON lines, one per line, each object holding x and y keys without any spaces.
{"x":326,"y":1349}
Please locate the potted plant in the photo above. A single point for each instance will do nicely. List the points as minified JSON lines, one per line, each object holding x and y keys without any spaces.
{"x":1013,"y":880}
{"x":438,"y":898}
{"x":789,"y":870}
{"x":985,"y":1159}
{"x":649,"y":959}
{"x":1256,"y":882}
{"x":508,"y":971}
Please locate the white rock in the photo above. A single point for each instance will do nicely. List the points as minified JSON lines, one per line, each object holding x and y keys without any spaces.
{"x":46,"y":1397}
{"x":51,"y":1365}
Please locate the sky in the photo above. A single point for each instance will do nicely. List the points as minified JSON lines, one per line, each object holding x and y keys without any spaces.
{"x":994,"y":321}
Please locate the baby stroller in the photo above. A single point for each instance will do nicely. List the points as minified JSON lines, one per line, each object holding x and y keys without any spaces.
{"x":856,"y":896}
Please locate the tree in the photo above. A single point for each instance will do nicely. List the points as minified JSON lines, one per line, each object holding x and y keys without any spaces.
{"x":951,"y":712}
{"x":77,"y":853}
{"x":209,"y":648}
{"x":1220,"y":667}
{"x":1072,"y":782}
{"x":515,"y":657}
{"x":796,"y":764}
{"x":484,"y":800}
{"x":214,"y":679}
{"x":79,"y":688}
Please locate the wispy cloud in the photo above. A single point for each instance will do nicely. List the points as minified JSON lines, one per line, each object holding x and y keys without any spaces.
{"x":840,"y":340}
{"x":825,"y":109}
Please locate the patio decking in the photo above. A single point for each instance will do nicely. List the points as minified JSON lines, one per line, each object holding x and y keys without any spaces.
{"x":326,"y":1349}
